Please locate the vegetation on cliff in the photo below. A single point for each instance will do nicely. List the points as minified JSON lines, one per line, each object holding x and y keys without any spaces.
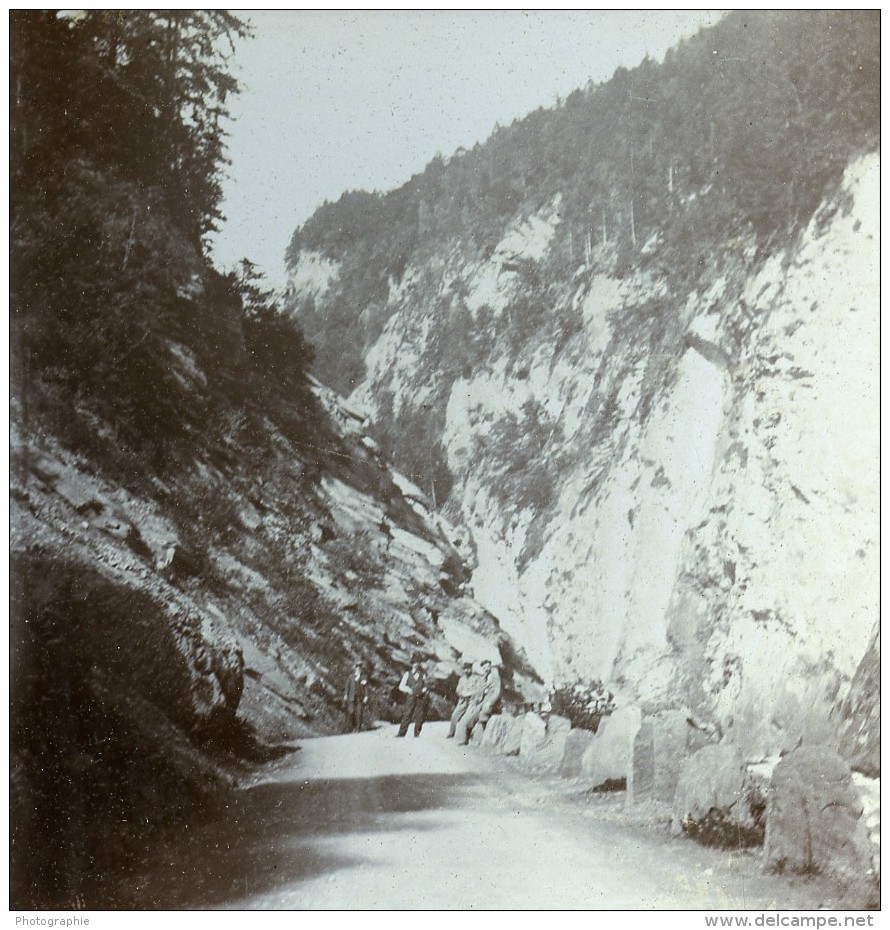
{"x":736,"y":136}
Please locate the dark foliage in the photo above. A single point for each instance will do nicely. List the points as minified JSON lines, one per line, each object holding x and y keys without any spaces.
{"x":610,"y":785}
{"x":142,"y":93}
{"x":584,"y":705}
{"x":522,"y":445}
{"x":715,"y":829}
{"x":81,"y":747}
{"x":275,"y":345}
{"x":126,"y":342}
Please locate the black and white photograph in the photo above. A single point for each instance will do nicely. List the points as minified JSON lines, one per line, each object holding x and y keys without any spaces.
{"x":445,"y":463}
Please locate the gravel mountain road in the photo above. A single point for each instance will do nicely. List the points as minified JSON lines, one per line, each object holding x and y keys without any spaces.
{"x":369,"y":821}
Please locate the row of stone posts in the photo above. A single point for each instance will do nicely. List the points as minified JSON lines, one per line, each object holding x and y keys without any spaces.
{"x":804,"y":808}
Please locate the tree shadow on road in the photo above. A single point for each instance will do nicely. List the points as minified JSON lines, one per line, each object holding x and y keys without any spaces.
{"x":267,"y":838}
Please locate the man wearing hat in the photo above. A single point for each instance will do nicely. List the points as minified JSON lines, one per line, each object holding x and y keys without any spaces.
{"x":355,"y":700}
{"x":414,"y":684}
{"x":482,"y":705}
{"x":466,"y":688}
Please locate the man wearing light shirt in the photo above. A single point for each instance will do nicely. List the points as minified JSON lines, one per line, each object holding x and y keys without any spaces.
{"x":466,"y":688}
{"x":483,"y":703}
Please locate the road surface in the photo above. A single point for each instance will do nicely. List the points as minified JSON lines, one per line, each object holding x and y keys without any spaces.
{"x":369,"y":821}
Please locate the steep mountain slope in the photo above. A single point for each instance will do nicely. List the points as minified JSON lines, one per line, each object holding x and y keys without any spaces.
{"x":167,"y":633}
{"x":203,"y":539}
{"x":640,"y":365}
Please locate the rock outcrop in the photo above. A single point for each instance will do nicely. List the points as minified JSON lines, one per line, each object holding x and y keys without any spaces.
{"x":503,"y":734}
{"x":661,"y":746}
{"x":534,"y":735}
{"x":716,"y":801}
{"x":544,"y":740}
{"x":577,"y":743}
{"x":664,"y":446}
{"x":869,"y":791}
{"x":860,"y":714}
{"x":609,"y":759}
{"x":814,"y":818}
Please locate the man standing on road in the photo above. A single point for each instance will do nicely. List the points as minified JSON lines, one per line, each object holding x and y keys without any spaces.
{"x":355,"y":700}
{"x":483,"y":703}
{"x":466,"y":688}
{"x":414,"y":685}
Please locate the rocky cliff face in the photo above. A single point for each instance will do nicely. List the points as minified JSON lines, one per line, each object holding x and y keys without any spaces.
{"x":674,"y":489}
{"x":860,"y":714}
{"x":167,"y":633}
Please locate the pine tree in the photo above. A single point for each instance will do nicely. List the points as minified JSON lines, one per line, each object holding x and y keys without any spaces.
{"x":142,"y":93}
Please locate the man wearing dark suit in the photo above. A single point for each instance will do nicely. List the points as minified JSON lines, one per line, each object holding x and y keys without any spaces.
{"x":414,"y":685}
{"x":355,"y":700}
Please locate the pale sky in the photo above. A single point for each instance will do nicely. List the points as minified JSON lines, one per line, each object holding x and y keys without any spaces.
{"x":345,"y":100}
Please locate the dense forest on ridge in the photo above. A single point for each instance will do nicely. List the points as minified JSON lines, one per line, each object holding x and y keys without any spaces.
{"x":736,"y":135}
